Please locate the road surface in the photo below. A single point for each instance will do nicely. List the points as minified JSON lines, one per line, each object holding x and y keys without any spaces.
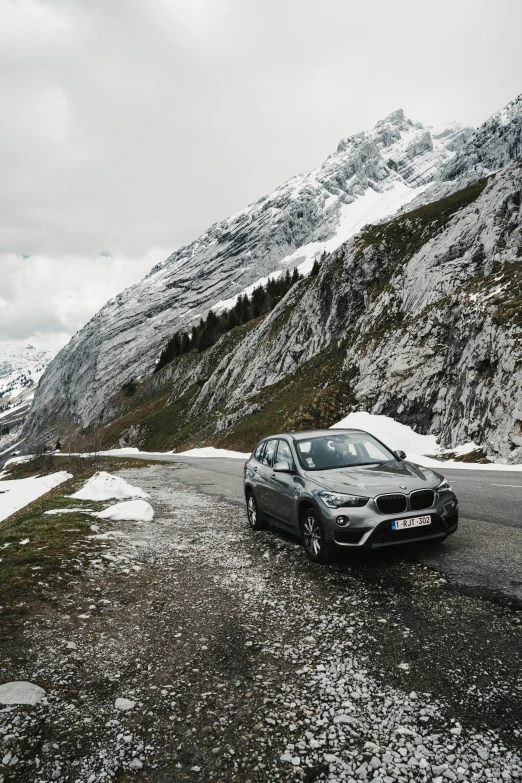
{"x":485,"y":553}
{"x":191,"y":649}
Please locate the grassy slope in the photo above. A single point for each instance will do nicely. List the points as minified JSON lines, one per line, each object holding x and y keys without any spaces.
{"x":51,"y":551}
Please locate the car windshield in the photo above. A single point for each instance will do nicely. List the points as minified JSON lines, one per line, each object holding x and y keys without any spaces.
{"x":343,"y":450}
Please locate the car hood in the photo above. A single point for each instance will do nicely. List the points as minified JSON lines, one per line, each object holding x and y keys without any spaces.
{"x":371,"y":480}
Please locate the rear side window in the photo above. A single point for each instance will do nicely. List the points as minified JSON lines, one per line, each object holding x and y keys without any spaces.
{"x":258,"y":452}
{"x":284,"y":454}
{"x":269,"y":453}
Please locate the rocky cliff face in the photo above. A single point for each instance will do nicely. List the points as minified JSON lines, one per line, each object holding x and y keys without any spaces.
{"x":369,"y":176}
{"x":418,"y":317}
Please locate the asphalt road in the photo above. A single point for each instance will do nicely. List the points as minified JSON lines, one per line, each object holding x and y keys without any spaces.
{"x":484,"y":555}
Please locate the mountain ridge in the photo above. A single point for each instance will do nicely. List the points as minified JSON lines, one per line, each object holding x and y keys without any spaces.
{"x":82,"y":386}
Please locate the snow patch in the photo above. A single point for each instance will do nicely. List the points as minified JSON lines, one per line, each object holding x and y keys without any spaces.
{"x":133,"y":510}
{"x":400,"y":436}
{"x":104,"y":486}
{"x":67,"y":510}
{"x":364,"y":210}
{"x":391,"y":432}
{"x":210,"y":451}
{"x":18,"y":493}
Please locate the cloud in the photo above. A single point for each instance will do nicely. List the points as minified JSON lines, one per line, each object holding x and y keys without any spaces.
{"x":129,"y":125}
{"x":44,"y":300}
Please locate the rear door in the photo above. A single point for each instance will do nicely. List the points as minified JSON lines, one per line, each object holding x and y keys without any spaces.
{"x":264,"y":472}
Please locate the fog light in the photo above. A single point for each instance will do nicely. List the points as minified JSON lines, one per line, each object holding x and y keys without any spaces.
{"x":453,"y":504}
{"x":342,"y":521}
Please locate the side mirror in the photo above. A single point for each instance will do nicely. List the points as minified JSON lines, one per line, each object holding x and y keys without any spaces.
{"x":282,"y":467}
{"x":400,"y":454}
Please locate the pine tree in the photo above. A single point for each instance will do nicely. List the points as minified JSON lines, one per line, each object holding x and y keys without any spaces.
{"x":315,"y":269}
{"x":185,"y":343}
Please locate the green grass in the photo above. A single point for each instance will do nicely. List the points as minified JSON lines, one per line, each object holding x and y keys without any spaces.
{"x":317,"y":395}
{"x":508,"y":302}
{"x":48,"y":552}
{"x":405,"y":235}
{"x":51,"y":553}
{"x":84,"y":466}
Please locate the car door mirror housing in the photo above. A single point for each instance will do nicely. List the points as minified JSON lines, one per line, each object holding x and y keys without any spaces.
{"x":282,"y":467}
{"x":400,"y":454}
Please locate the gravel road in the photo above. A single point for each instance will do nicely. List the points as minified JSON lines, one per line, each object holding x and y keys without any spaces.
{"x":241,"y":661}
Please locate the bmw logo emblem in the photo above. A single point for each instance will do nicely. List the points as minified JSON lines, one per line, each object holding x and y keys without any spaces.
{"x":403,"y":487}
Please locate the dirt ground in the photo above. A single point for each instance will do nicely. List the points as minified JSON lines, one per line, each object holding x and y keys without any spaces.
{"x":241,"y":661}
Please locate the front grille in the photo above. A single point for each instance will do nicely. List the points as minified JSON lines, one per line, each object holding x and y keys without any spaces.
{"x":391,"y":504}
{"x":348,"y":536}
{"x":422,"y":498}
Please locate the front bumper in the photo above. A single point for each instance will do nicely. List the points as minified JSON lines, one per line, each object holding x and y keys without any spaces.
{"x":377,"y":532}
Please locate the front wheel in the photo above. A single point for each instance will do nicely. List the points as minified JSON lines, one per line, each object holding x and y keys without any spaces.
{"x":318,"y":548}
{"x":254,"y":518}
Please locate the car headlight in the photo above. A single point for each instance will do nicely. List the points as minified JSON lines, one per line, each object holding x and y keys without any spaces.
{"x":444,"y":486}
{"x":336,"y":499}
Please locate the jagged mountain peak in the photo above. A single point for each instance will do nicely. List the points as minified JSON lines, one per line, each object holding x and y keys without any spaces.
{"x":492,"y":146}
{"x":385,"y":131}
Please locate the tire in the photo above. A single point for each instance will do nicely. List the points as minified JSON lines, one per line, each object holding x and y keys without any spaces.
{"x":254,"y":518}
{"x":317,"y":547}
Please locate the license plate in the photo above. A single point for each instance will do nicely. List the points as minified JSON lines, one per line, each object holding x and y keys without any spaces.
{"x":402,"y":524}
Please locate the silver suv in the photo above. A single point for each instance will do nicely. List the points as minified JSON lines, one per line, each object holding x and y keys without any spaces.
{"x":344,"y":488}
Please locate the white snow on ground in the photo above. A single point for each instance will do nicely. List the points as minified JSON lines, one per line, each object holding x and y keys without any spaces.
{"x":210,"y":451}
{"x":391,"y":432}
{"x":104,"y":486}
{"x":137,"y":510}
{"x":10,"y":411}
{"x":227,"y":304}
{"x":365,"y":210}
{"x":18,"y":493}
{"x":67,"y":510}
{"x":369,"y":208}
{"x":400,"y":436}
{"x":11,"y":447}
{"x":17,"y":460}
{"x":207,"y":451}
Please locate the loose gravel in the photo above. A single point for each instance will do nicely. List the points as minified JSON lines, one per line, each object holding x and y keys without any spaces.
{"x":191,"y":649}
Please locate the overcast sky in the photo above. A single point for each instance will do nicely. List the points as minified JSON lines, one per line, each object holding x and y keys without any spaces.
{"x":129,"y":126}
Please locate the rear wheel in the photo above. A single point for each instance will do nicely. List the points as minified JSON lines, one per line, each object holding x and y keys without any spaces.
{"x":254,"y":518}
{"x":318,"y":548}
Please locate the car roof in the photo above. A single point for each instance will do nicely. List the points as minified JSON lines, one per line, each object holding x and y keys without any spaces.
{"x":307,"y":434}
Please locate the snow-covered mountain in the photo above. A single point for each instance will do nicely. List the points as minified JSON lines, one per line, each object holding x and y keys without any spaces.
{"x":416,"y":317}
{"x":21,"y":367}
{"x":368,"y":177}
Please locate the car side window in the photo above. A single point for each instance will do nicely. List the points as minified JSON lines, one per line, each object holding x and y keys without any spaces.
{"x":269,"y":453}
{"x":258,"y":453}
{"x":284,"y":454}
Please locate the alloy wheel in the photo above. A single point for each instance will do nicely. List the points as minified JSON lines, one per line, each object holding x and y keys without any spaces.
{"x":312,"y":535}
